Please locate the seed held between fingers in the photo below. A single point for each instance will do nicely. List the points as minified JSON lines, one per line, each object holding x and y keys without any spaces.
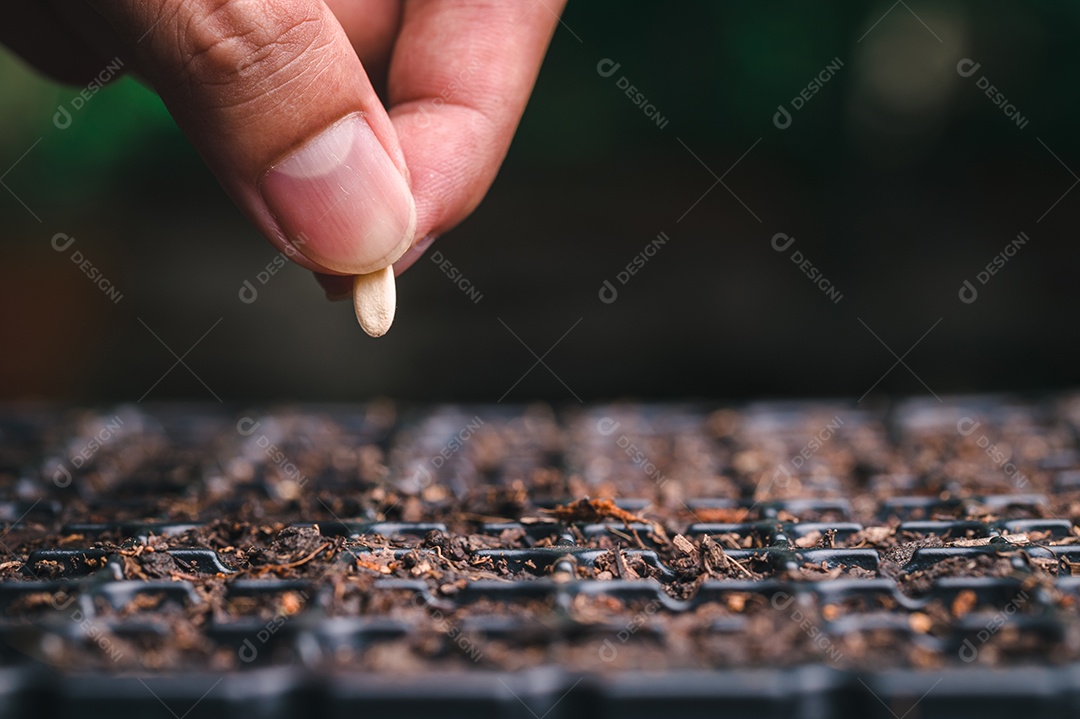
{"x":375,"y":300}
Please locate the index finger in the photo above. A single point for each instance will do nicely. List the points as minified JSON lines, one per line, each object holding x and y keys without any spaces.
{"x":460,"y":76}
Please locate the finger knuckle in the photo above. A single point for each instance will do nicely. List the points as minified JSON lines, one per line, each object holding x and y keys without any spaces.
{"x":232,"y":49}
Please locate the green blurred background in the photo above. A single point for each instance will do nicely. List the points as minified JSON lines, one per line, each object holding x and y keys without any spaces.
{"x":899,"y":179}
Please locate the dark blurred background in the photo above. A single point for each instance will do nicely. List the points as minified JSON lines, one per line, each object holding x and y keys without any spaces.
{"x":899,"y":179}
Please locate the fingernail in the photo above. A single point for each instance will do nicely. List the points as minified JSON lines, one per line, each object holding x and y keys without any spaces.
{"x":341,"y":200}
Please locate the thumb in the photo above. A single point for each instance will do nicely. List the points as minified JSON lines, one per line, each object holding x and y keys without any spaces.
{"x":274,"y":98}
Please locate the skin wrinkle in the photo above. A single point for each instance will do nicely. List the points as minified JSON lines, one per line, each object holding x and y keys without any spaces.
{"x":259,"y":95}
{"x":257,"y":54}
{"x":267,"y":97}
{"x":205,"y":28}
{"x":232,"y":57}
{"x":282,"y":101}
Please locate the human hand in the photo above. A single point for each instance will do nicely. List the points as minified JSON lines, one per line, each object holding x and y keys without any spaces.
{"x":279,"y":97}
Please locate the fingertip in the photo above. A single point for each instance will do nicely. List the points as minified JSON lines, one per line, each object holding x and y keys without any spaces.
{"x":341,"y":199}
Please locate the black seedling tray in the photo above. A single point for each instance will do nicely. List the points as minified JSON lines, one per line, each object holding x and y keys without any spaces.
{"x":185,"y":569}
